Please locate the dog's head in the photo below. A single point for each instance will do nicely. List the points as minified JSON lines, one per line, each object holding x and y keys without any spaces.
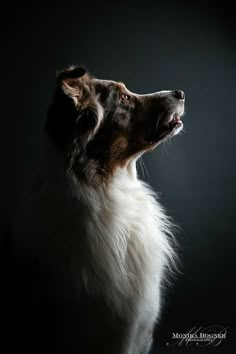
{"x":101,"y":125}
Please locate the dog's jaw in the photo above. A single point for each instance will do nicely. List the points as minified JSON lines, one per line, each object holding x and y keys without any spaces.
{"x":167,"y":126}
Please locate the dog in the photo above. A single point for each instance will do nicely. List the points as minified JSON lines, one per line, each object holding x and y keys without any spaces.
{"x":92,"y":244}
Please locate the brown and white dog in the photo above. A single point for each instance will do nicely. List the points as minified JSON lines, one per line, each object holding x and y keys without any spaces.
{"x":91,"y":239}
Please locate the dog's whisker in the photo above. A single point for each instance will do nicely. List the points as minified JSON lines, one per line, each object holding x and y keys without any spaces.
{"x":143,"y":167}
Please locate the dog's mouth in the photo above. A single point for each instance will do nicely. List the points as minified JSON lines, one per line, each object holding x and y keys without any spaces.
{"x":166,"y":127}
{"x":174,"y":123}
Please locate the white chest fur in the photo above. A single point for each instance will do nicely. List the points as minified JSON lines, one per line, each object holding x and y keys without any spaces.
{"x":119,"y":229}
{"x":128,"y":240}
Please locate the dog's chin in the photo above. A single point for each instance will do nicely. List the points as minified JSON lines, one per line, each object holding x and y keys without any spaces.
{"x":168,"y":128}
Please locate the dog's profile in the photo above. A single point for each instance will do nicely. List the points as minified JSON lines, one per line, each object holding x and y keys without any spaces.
{"x":91,"y":242}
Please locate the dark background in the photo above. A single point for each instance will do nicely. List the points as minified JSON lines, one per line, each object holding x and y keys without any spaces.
{"x":151,"y":46}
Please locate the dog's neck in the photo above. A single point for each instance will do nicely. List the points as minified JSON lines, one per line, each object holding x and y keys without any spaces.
{"x":54,"y":166}
{"x":121,"y":221}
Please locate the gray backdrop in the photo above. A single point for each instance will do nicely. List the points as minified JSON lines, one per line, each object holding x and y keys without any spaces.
{"x":151,"y":46}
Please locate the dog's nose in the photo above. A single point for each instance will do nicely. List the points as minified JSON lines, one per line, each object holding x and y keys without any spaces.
{"x":179,"y":94}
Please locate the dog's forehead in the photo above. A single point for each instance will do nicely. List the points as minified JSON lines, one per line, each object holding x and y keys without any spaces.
{"x":107,"y":83}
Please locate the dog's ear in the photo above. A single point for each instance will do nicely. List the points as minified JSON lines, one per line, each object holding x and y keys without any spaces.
{"x":75,"y":82}
{"x":73,"y":72}
{"x":74,"y":111}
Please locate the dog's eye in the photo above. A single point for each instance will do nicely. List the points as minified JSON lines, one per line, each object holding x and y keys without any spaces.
{"x":124,"y":97}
